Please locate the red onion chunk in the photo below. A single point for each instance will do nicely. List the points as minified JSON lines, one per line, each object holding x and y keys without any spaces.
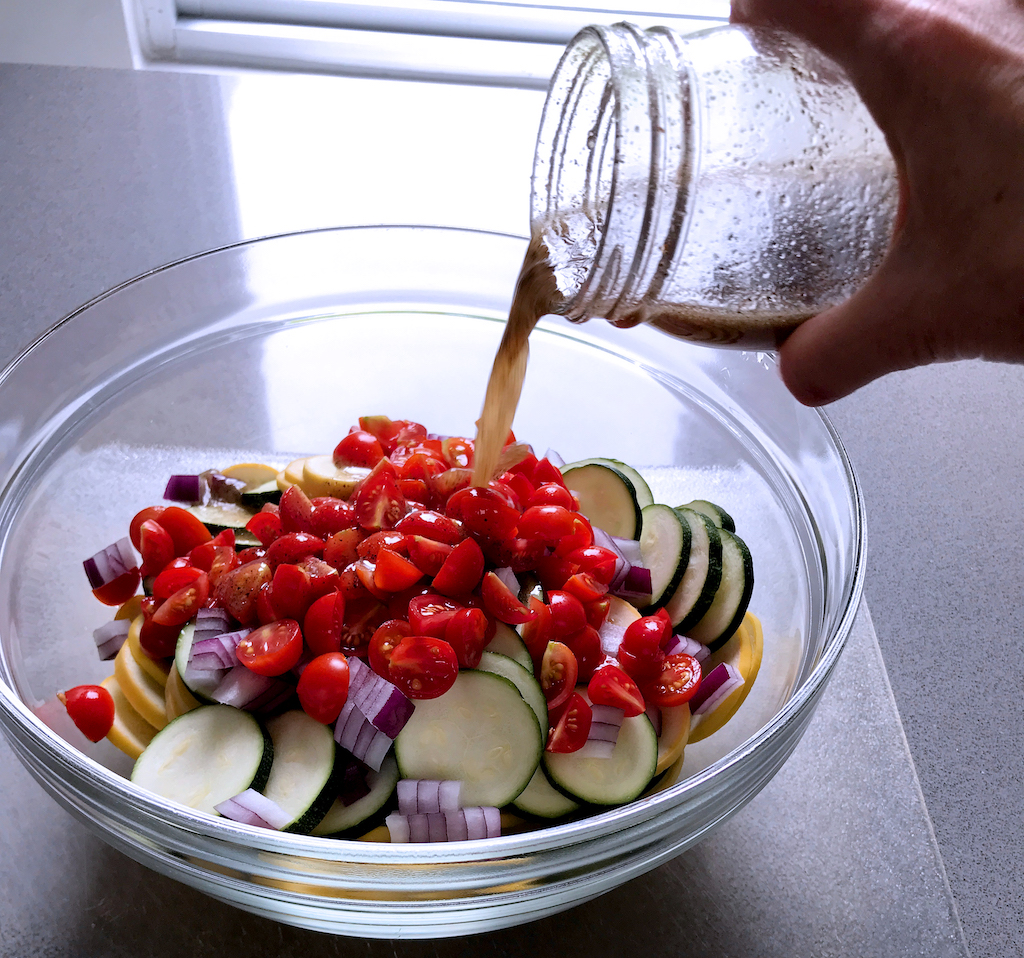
{"x":463,"y":824}
{"x":252,"y":808}
{"x":714,"y":688}
{"x":611,"y":637}
{"x":383,"y":705}
{"x":206,"y":617}
{"x":355,"y":732}
{"x":554,"y":458}
{"x":636,"y":584}
{"x":353,"y":784}
{"x":508,"y":579}
{"x":240,"y":687}
{"x":110,"y":636}
{"x":110,"y":563}
{"x":222,"y":488}
{"x":218,"y":652}
{"x":184,"y":489}
{"x":684,"y":644}
{"x":629,"y":549}
{"x":427,"y":796}
{"x":604,"y":732}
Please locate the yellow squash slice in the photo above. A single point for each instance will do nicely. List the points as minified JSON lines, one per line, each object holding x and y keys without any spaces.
{"x":156,"y":670}
{"x":144,"y":694}
{"x":743,"y":651}
{"x":131,"y":733}
{"x":177,"y":698}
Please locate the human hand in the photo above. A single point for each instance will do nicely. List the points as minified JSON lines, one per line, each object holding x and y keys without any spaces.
{"x":944,"y":79}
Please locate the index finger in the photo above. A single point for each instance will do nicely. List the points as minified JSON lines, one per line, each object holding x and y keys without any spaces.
{"x":834,"y":26}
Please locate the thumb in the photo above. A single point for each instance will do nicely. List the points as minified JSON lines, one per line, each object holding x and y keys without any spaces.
{"x":878,"y":330}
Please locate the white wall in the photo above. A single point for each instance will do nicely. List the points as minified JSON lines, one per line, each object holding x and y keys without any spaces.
{"x":81,"y":33}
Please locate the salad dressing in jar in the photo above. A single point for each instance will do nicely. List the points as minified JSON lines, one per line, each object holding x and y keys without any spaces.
{"x":722,"y":186}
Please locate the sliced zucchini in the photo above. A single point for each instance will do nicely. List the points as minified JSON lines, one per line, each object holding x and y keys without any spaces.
{"x":643,"y":491}
{"x":715,"y":513}
{"x":542,"y":800}
{"x":665,"y":548}
{"x":697,"y":588}
{"x":257,"y":497}
{"x":506,"y":641}
{"x":480,"y":732}
{"x":609,"y":781}
{"x":726,"y":612}
{"x":302,"y":776}
{"x":144,"y":693}
{"x":342,"y":818}
{"x":181,"y":653}
{"x":529,"y":687}
{"x":607,"y":497}
{"x":205,"y":757}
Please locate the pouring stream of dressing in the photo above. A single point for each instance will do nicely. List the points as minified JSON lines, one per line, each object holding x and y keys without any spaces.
{"x":535,"y":294}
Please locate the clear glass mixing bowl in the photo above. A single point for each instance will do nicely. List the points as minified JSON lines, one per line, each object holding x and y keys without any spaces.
{"x":270,"y":350}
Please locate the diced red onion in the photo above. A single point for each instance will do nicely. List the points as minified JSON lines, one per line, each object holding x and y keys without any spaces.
{"x":604,"y":732}
{"x":714,"y":688}
{"x":184,"y":489}
{"x":683,"y":643}
{"x":276,"y":695}
{"x":110,"y":563}
{"x":240,"y":687}
{"x":252,"y":808}
{"x":383,"y":705}
{"x":206,"y":617}
{"x":611,"y":634}
{"x":110,"y":636}
{"x":222,"y":488}
{"x":423,"y":796}
{"x":508,"y":579}
{"x":355,"y":732}
{"x":218,"y":652}
{"x":636,"y":584}
{"x":554,"y":458}
{"x":464,"y":824}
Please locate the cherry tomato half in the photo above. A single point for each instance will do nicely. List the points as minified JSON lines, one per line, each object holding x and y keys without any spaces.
{"x":383,"y":643}
{"x":466,"y":632}
{"x":271,"y":649}
{"x":611,"y":686}
{"x":558,"y":673}
{"x":359,"y":448}
{"x":676,"y":683}
{"x":461,"y":572}
{"x":423,"y":667}
{"x":91,"y":708}
{"x":640,"y":654}
{"x":323,"y":687}
{"x":573,"y":727}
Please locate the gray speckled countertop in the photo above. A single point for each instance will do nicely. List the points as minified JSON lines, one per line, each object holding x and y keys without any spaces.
{"x":880,"y":837}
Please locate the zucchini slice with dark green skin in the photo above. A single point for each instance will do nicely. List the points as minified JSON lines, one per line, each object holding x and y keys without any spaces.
{"x":697,"y":588}
{"x":205,"y":757}
{"x":665,"y":548}
{"x":607,"y":497}
{"x":714,"y":512}
{"x":302,"y":779}
{"x":726,"y":612}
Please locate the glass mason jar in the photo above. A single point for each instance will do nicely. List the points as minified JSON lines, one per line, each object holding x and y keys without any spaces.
{"x":723,"y":186}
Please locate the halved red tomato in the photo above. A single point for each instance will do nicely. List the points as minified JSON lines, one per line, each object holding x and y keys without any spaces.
{"x":427,"y":554}
{"x":155,"y":545}
{"x":676,"y":683}
{"x":558,"y":673}
{"x":640,"y":653}
{"x":460,"y":574}
{"x":571,"y":731}
{"x":266,"y":526}
{"x":236,"y":591}
{"x":586,"y":646}
{"x":466,"y":632}
{"x":358,"y":448}
{"x":343,"y":547}
{"x":177,"y":574}
{"x":292,"y":592}
{"x":500,"y":602}
{"x":547,"y":522}
{"x":432,"y":525}
{"x":377,"y":501}
{"x":294,"y":547}
{"x":430,"y":614}
{"x":567,"y":613}
{"x":611,"y":686}
{"x":178,"y":608}
{"x":135,"y":527}
{"x":330,"y":515}
{"x":323,"y":687}
{"x":423,"y":667}
{"x":393,"y":573}
{"x":323,"y":623}
{"x":552,"y":494}
{"x":484,"y":511}
{"x":271,"y":649}
{"x":184,"y":528}
{"x":383,"y":643}
{"x":91,"y":708}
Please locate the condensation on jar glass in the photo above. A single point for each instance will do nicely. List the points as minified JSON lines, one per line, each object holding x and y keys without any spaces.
{"x":722,"y":186}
